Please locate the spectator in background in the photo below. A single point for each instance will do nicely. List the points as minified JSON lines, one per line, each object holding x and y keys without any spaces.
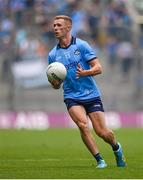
{"x":18,"y":7}
{"x":7,"y":24}
{"x":125,"y":53}
{"x":46,"y":32}
{"x":116,"y":18}
{"x":111,"y":49}
{"x":29,"y":4}
{"x":80,"y":23}
{"x":28,"y":48}
{"x":93,"y":12}
{"x":3,"y":7}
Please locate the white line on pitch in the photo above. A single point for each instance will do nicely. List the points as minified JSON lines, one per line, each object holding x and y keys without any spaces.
{"x":50,"y":159}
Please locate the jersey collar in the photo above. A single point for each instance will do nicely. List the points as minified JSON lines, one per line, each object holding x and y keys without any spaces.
{"x":73,"y":41}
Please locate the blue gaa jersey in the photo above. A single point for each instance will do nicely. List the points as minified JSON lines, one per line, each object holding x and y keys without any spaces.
{"x":79,"y":51}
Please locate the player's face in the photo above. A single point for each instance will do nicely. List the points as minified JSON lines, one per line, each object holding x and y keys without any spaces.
{"x":60,"y":28}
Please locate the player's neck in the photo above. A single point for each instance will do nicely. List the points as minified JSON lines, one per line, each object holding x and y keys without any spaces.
{"x":65,"y":41}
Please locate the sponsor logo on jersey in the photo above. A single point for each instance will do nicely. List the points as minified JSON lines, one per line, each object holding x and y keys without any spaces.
{"x":72,"y":65}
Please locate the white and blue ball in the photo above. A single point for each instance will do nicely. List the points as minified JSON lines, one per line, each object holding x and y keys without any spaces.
{"x":56,"y":71}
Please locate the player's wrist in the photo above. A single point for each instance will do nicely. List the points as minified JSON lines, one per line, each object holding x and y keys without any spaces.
{"x":87,"y":72}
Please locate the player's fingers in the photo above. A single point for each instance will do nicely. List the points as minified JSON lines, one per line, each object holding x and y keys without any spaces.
{"x":78,"y":65}
{"x":77,"y":74}
{"x":79,"y":69}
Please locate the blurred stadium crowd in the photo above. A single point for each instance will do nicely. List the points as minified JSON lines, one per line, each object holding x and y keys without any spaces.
{"x":26,"y":37}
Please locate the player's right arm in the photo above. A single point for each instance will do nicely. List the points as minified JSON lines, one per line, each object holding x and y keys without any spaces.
{"x":55,"y":83}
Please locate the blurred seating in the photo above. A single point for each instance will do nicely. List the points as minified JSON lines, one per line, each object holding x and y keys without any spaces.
{"x":26,"y":37}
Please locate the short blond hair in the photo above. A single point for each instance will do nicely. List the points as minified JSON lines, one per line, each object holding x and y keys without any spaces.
{"x":66,"y":18}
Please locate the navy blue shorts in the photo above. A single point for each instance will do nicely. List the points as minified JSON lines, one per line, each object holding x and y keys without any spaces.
{"x":90,"y":105}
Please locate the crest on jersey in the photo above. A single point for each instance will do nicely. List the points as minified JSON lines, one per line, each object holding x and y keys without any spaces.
{"x":77,"y":52}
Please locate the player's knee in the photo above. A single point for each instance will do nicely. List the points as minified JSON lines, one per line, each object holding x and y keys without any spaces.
{"x":82,"y":125}
{"x":105,"y":134}
{"x":100,"y":133}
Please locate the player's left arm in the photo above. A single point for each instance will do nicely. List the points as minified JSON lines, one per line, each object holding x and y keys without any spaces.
{"x":95,"y":69}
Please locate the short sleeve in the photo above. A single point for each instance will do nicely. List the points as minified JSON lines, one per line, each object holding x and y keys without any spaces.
{"x":49,"y":59}
{"x":87,"y":51}
{"x":51,"y":56}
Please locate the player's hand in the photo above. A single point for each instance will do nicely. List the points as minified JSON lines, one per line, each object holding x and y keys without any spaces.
{"x":55,"y":83}
{"x":80,"y":71}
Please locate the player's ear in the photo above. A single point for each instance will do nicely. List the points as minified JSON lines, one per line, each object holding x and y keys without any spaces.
{"x":69,"y":27}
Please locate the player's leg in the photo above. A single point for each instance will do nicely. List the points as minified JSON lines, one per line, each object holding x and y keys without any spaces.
{"x":99,"y":125}
{"x":78,"y":115}
{"x":98,"y":121}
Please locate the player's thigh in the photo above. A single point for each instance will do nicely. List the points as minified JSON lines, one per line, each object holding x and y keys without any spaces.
{"x":78,"y":114}
{"x":98,"y":120}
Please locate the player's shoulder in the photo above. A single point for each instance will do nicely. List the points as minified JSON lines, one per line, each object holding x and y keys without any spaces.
{"x":81,"y":43}
{"x":52,"y":51}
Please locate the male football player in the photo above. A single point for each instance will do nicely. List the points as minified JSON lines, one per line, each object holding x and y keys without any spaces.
{"x":81,"y":94}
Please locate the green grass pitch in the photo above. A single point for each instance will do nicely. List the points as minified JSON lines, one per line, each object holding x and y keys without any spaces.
{"x":60,"y":154}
